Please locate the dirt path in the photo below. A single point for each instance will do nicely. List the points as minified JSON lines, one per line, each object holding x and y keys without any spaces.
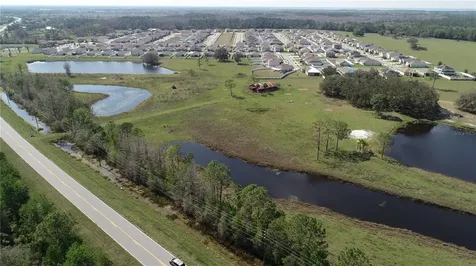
{"x":467,"y":119}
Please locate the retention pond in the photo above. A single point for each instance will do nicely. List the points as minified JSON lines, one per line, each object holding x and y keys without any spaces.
{"x":97,"y":67}
{"x":350,"y":200}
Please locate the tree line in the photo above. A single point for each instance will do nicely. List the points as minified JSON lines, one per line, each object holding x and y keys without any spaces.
{"x":456,"y":26}
{"x":368,"y":90}
{"x":34,"y":232}
{"x":241,"y":218}
{"x":52,"y":99}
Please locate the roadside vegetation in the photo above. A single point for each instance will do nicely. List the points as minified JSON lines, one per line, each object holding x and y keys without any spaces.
{"x":33,"y":231}
{"x":246,"y":218}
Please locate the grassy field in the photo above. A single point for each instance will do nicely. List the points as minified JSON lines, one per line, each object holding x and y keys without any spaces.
{"x":201,"y":110}
{"x":226,"y":38}
{"x":267,"y":73}
{"x":457,"y":54}
{"x":384,"y":245}
{"x":175,"y":235}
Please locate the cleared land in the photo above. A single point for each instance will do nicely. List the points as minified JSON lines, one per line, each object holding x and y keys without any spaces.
{"x":382,"y":244}
{"x":457,"y":54}
{"x":226,"y":38}
{"x":201,"y":110}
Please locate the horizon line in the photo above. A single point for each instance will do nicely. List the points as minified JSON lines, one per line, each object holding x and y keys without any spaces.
{"x":272,"y":7}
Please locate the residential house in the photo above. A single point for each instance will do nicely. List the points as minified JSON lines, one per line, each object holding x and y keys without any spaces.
{"x":388,"y":73}
{"x":312,"y":71}
{"x":285,"y":68}
{"x":180,"y":54}
{"x":123,"y":53}
{"x":273,"y":62}
{"x":50,"y":51}
{"x":330,"y":53}
{"x":313,"y":61}
{"x":36,"y":51}
{"x":415,"y":64}
{"x":253,"y":54}
{"x":368,"y":62}
{"x":422,"y":72}
{"x":164,"y":54}
{"x":337,"y":46}
{"x":445,"y":70}
{"x":194,"y":54}
{"x":353,"y":54}
{"x":136,"y":52}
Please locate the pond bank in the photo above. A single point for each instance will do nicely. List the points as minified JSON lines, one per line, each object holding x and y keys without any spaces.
{"x":350,"y":200}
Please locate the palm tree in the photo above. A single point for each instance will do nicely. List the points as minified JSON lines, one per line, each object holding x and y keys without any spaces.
{"x":361,"y":145}
{"x":434,"y":76}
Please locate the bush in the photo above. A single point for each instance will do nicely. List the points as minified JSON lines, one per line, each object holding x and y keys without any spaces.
{"x":467,"y":102}
{"x":258,"y":110}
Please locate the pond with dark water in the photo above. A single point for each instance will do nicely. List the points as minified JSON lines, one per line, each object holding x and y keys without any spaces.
{"x":442,"y":149}
{"x":97,"y":67}
{"x":24,"y":114}
{"x":350,"y":200}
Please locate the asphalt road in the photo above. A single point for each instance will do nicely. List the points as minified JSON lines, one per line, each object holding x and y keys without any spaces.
{"x":129,"y":237}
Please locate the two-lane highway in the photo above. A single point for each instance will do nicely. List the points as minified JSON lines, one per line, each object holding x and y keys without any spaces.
{"x":133,"y":240}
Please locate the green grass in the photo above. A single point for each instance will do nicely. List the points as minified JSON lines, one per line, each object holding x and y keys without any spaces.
{"x":88,"y":231}
{"x":226,"y":38}
{"x":201,"y":110}
{"x":267,"y":73}
{"x":384,"y":245}
{"x":182,"y":240}
{"x":457,"y":54}
{"x":90,"y":98}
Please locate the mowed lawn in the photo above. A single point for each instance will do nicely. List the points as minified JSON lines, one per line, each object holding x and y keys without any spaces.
{"x":384,"y":245}
{"x":460,"y":55}
{"x":226,"y":38}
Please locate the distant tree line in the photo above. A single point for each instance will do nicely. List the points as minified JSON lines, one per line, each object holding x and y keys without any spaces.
{"x":34,"y":232}
{"x":456,"y":26}
{"x":368,"y":90}
{"x":244,"y":218}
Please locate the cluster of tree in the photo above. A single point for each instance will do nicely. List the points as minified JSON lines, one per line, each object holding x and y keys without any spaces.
{"x":151,"y":58}
{"x":33,"y":232}
{"x":414,"y":44}
{"x":467,"y":102}
{"x":245,"y":218}
{"x":326,"y":130}
{"x":50,"y":99}
{"x":368,"y":90}
{"x":222,"y":54}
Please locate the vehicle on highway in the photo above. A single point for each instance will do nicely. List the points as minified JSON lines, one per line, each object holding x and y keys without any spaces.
{"x":176,"y":262}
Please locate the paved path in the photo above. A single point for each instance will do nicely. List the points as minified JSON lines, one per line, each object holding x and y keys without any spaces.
{"x":133,"y":240}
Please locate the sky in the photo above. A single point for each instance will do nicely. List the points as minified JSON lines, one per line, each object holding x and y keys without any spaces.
{"x":349,"y":4}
